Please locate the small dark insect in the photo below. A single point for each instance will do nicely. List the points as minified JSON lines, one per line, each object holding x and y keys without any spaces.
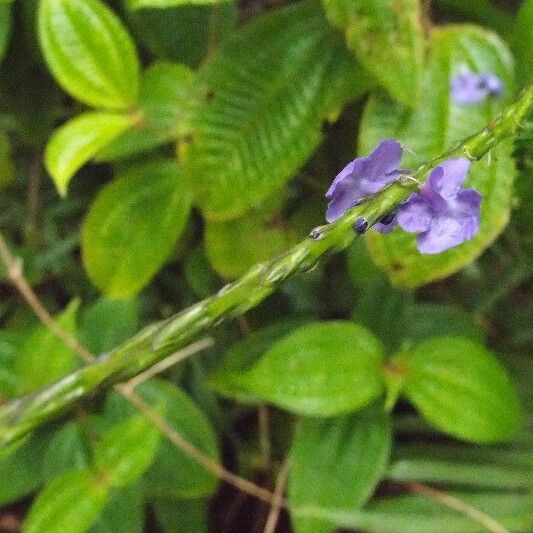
{"x":360,"y":226}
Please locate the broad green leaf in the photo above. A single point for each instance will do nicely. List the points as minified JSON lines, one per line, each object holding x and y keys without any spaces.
{"x":419,"y":514}
{"x":123,"y":513}
{"x":427,"y":320}
{"x":461,"y":388}
{"x":5,"y":27}
{"x":181,"y":516}
{"x":68,"y":449}
{"x":162,"y":97}
{"x":44,"y":358}
{"x":71,"y":502}
{"x":387,"y":37}
{"x":232,"y":246}
{"x":431,"y":129}
{"x":126,"y":450}
{"x":337,"y":463}
{"x":321,"y":369}
{"x":522,"y":33}
{"x":244,"y":354}
{"x":89,"y":52}
{"x":79,"y":140}
{"x":174,"y":474}
{"x":133,"y":225}
{"x":187,"y":34}
{"x":161,"y":4}
{"x":108,"y":323}
{"x":200,"y":276}
{"x":9,"y":349}
{"x":21,"y":467}
{"x":258,"y":107}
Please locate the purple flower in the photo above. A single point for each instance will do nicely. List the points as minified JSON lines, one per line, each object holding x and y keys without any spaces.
{"x":470,"y":88}
{"x":362,"y":177}
{"x":443,"y":213}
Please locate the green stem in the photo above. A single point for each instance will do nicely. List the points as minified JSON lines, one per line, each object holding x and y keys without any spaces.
{"x":159,"y":340}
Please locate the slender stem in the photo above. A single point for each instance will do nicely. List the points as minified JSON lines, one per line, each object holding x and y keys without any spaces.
{"x":281,"y":480}
{"x":159,"y":340}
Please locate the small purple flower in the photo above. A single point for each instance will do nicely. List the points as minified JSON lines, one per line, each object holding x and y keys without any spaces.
{"x":470,"y":88}
{"x":362,"y":177}
{"x":443,"y":213}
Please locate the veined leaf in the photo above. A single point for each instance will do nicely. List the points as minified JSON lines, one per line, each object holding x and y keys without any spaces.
{"x":71,"y":502}
{"x":133,"y":226}
{"x":258,"y":106}
{"x":163,"y":95}
{"x":79,"y":140}
{"x":387,"y":37}
{"x":461,"y":388}
{"x":89,"y":52}
{"x":321,"y":369}
{"x":337,"y":463}
{"x":443,"y":122}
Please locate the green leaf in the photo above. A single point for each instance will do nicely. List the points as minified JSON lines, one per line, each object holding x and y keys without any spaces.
{"x":107,"y":323}
{"x":89,"y":52}
{"x":427,"y":320}
{"x":67,"y":450}
{"x":321,"y":369}
{"x":232,"y":246}
{"x":419,"y":514}
{"x":123,"y":513}
{"x":5,"y":27}
{"x":258,"y":107}
{"x":174,"y":474}
{"x":337,"y":463}
{"x":71,"y":502}
{"x":9,"y":349}
{"x":7,"y":167}
{"x":126,"y":450}
{"x":181,"y":516}
{"x":44,"y":357}
{"x":387,"y":37}
{"x":133,"y":225}
{"x":430,"y":130}
{"x":79,"y":140}
{"x":522,"y":33}
{"x":161,"y":4}
{"x":461,"y":388}
{"x":162,"y":97}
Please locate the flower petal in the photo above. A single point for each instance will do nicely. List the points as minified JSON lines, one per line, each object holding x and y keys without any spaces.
{"x":454,"y":173}
{"x":345,"y":197}
{"x":384,"y":160}
{"x":341,"y":176}
{"x":414,"y":215}
{"x":466,"y":89}
{"x":445,"y":232}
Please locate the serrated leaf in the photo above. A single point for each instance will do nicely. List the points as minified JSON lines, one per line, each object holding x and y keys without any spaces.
{"x":337,"y":463}
{"x":387,"y":37}
{"x":232,"y":246}
{"x":89,"y":52}
{"x":79,"y":140}
{"x":258,"y":106}
{"x":163,"y":95}
{"x":133,"y":225}
{"x":174,"y":474}
{"x":108,"y":323}
{"x":5,"y":27}
{"x":430,"y":130}
{"x":461,"y":388}
{"x":126,"y":450}
{"x":44,"y":358}
{"x":71,"y":502}
{"x":321,"y":369}
{"x":164,"y":4}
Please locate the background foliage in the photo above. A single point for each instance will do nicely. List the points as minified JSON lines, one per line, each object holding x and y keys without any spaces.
{"x":150,"y":151}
